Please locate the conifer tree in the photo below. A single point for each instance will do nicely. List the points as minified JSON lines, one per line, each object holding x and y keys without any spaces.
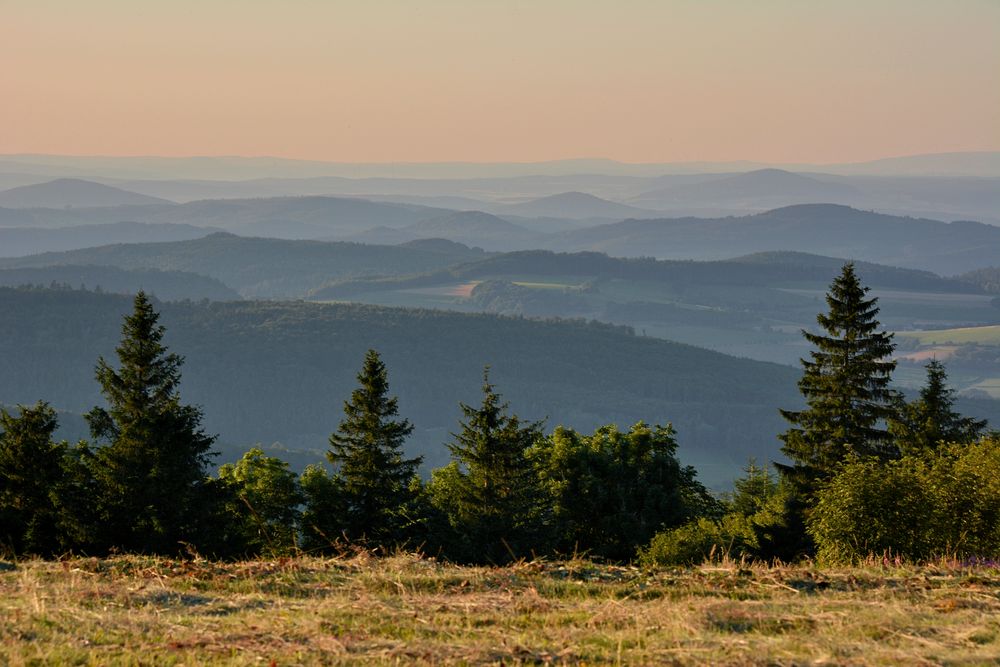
{"x":846,"y":387}
{"x":490,"y":491}
{"x":151,"y":473}
{"x":925,"y":423}
{"x":372,"y":477}
{"x":30,"y":480}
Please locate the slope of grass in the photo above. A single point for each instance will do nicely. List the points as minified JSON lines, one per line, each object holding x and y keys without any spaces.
{"x":417,"y":611}
{"x":986,"y":335}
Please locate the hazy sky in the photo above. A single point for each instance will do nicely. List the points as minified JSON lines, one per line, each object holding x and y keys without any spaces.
{"x":429,"y":80}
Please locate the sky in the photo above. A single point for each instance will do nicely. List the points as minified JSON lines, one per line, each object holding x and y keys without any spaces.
{"x":501,"y":80}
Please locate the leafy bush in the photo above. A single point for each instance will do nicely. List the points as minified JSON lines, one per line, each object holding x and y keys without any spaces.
{"x":919,"y":507}
{"x":748,"y":528}
{"x":700,"y":540}
{"x":613,"y":490}
{"x":263,"y":496}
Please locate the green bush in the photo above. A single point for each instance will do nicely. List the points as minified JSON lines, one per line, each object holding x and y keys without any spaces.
{"x":700,"y":540}
{"x":261,"y":504}
{"x":919,"y":507}
{"x":749,"y":525}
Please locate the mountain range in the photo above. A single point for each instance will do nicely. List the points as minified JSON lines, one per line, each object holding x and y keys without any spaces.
{"x":945,"y":248}
{"x":983,"y":163}
{"x":585,"y":196}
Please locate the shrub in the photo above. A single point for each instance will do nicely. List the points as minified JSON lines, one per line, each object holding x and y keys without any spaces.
{"x":700,"y":540}
{"x":919,"y":507}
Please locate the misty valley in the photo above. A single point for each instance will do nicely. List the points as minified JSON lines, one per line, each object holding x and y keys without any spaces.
{"x":272,"y":299}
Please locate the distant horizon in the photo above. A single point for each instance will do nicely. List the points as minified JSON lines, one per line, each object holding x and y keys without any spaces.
{"x":976,"y":164}
{"x":582,"y":158}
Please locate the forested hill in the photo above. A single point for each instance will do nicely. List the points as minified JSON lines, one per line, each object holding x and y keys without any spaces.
{"x":259,"y":267}
{"x":166,"y":285}
{"x":284,"y":217}
{"x":840,"y":231}
{"x":27,"y":240}
{"x":768,"y":268}
{"x":761,"y":269}
{"x":268,"y":371}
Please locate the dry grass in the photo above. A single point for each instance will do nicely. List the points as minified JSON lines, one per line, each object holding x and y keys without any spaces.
{"x":134,"y":610}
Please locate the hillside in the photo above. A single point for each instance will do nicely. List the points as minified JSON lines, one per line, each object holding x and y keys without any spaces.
{"x":13,"y":217}
{"x":474,"y":228}
{"x":73,"y":192}
{"x":258,"y":267}
{"x":165,"y":285}
{"x":269,"y":371}
{"x":945,"y":248}
{"x":763,"y":188}
{"x":22,"y":241}
{"x":987,"y":279}
{"x":773,"y":269}
{"x":279,"y":217}
{"x":580,"y":205}
{"x":752,"y":306}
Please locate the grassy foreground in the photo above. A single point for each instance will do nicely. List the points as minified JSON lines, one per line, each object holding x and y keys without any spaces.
{"x":405,"y":609}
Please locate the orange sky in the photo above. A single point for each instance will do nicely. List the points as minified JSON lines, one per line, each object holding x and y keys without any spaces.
{"x":433,"y":80}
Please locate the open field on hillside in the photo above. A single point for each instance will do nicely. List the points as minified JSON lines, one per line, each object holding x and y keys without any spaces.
{"x":405,"y":609}
{"x":988,"y":335}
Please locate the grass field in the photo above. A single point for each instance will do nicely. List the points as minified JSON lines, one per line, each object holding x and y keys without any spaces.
{"x":987,"y":335}
{"x":131,"y":611}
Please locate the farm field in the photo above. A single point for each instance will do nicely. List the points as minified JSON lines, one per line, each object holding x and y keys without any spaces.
{"x":405,"y":609}
{"x":985,"y":335}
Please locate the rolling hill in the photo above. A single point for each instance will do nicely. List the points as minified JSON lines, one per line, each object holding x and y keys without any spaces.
{"x":475,"y":228}
{"x":579,"y":205}
{"x":268,"y":371}
{"x":73,"y":192}
{"x":763,"y":188}
{"x":165,"y":285}
{"x":752,"y":306}
{"x":21,"y":241}
{"x":279,"y":217}
{"x":945,"y":248}
{"x":259,"y":267}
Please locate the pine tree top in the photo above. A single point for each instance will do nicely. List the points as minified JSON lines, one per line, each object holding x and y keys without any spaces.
{"x":369,"y":415}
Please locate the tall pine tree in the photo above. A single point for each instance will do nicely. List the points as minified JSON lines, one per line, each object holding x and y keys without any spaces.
{"x":491,"y":492}
{"x":151,"y":473}
{"x":846,"y":387}
{"x":31,"y":478}
{"x":372,"y":476}
{"x":924,"y":424}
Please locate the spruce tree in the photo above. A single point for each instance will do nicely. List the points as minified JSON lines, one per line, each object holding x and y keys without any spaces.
{"x":151,"y":473}
{"x":846,"y":387}
{"x":491,"y":491}
{"x":31,"y":478}
{"x":372,"y":477}
{"x":924,"y":424}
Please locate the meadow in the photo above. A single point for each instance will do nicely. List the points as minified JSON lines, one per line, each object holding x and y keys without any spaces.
{"x":414,"y":610}
{"x":985,"y":335}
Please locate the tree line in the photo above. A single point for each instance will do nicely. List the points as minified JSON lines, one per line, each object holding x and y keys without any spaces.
{"x":869,"y":472}
{"x":142,"y":484}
